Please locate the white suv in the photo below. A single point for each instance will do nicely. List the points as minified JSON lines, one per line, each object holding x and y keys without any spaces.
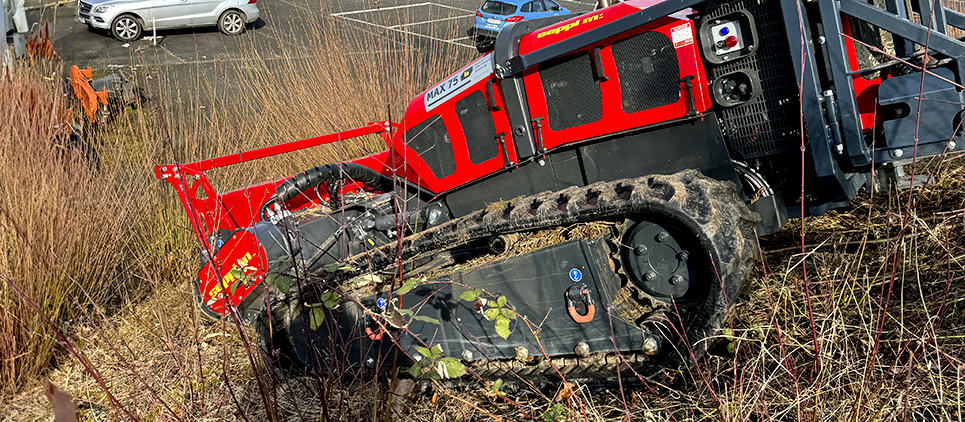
{"x":127,"y":19}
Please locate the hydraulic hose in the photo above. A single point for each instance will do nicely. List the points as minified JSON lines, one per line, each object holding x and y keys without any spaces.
{"x":331,"y":173}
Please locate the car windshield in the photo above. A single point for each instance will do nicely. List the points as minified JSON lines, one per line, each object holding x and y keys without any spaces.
{"x":498,"y":8}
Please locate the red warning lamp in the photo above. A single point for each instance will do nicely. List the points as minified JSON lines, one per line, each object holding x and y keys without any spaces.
{"x":730,"y":42}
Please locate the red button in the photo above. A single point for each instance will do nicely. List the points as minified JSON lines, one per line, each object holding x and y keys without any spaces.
{"x":730,"y":41}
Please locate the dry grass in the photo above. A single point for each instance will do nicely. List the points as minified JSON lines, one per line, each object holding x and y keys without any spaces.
{"x":81,"y":239}
{"x":64,"y":239}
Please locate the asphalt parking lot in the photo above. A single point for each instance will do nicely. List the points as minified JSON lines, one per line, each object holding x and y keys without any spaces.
{"x":281,"y":22}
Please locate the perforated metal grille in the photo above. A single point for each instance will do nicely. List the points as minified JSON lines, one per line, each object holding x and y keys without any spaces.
{"x":478,"y":127}
{"x":572,"y":92}
{"x":647,"y":68}
{"x":769,"y":124}
{"x":431,"y":141}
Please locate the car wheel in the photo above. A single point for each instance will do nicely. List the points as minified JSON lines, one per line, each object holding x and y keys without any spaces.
{"x":231,"y":22}
{"x":126,"y":28}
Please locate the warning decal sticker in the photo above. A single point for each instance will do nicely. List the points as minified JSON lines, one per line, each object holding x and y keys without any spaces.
{"x":458,"y":82}
{"x":682,"y":35}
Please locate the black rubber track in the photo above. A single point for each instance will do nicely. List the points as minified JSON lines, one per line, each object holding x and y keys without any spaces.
{"x":709,"y":209}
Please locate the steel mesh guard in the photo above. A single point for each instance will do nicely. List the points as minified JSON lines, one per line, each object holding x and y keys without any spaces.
{"x":478,"y":127}
{"x":647,"y":67}
{"x":431,"y":141}
{"x":572,"y":92}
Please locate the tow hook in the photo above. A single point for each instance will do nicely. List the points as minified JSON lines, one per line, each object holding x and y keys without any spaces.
{"x":374,"y":335}
{"x":580,"y":293}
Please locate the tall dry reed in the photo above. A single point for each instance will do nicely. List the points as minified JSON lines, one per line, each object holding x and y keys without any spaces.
{"x":85,"y":235}
{"x":64,"y":225}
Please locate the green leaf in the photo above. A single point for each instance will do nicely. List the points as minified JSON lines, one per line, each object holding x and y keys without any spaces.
{"x":497,"y":385}
{"x":454,"y":368}
{"x":415,"y":370}
{"x":331,"y":299}
{"x":436,"y":351}
{"x":555,"y":413}
{"x":492,"y":304}
{"x":423,"y":351}
{"x":316,"y":316}
{"x":508,"y":313}
{"x":491,"y":314}
{"x":283,"y":284}
{"x":234,"y":286}
{"x":470,"y":295}
{"x":407,"y":286}
{"x":501,"y":301}
{"x":426,"y":319}
{"x":502,"y":327}
{"x":238,"y":273}
{"x":405,"y":311}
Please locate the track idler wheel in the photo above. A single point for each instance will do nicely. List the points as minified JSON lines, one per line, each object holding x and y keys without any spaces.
{"x":689,"y":254}
{"x":658,"y":259}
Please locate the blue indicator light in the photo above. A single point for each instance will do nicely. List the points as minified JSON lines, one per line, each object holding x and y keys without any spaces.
{"x":724,"y":31}
{"x":576,"y":275}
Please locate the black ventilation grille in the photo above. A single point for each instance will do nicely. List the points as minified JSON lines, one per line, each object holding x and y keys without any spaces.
{"x":477,"y":126}
{"x":769,"y":124}
{"x":431,"y":141}
{"x":647,"y":68}
{"x":572,"y":92}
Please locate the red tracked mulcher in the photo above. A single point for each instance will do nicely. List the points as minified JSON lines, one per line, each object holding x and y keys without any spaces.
{"x":605,"y":174}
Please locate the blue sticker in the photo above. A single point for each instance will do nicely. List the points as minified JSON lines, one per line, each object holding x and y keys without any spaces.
{"x":220,"y":243}
{"x":381,"y":303}
{"x":576,"y":275}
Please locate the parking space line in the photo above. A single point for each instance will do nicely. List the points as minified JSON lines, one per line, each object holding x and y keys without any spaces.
{"x":425,"y":22}
{"x":406,"y":32}
{"x":454,"y":7}
{"x":379,"y":9}
{"x":378,"y":35}
{"x":396,"y":28}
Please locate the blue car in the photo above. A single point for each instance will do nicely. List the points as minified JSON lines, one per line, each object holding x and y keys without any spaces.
{"x":495,"y":14}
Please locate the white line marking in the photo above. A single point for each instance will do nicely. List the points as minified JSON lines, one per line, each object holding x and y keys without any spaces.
{"x":396,"y":28}
{"x":425,"y":22}
{"x":381,"y":9}
{"x":405,"y":32}
{"x":453,"y":7}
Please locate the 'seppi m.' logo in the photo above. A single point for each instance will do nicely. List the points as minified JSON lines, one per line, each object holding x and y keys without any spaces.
{"x":569,"y":26}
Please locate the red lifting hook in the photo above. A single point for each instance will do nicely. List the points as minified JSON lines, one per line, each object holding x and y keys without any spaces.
{"x":579,"y":292}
